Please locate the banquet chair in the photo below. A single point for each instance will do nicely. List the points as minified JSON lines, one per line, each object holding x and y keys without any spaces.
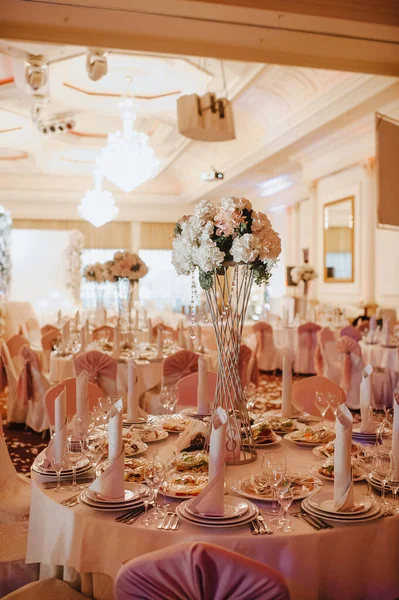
{"x":102,"y":370}
{"x":15,"y":412}
{"x":269,"y":357}
{"x":187,"y":389}
{"x":14,"y":572}
{"x":307,"y":343}
{"x":179,"y":365}
{"x":351,"y":370}
{"x":15,"y":489}
{"x":32,"y":385}
{"x":198,"y":571}
{"x":103,"y":332}
{"x":33,"y":330}
{"x":14,"y":344}
{"x":352,"y":332}
{"x":304,"y":393}
{"x":46,"y":589}
{"x":248,"y":366}
{"x":47,"y":341}
{"x":327,"y":358}
{"x":46,"y":328}
{"x":69,"y":384}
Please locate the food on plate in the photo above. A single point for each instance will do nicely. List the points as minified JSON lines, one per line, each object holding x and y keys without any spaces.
{"x":147,"y":434}
{"x":134,"y":469}
{"x":282,"y":424}
{"x":263,"y":434}
{"x":313,"y":435}
{"x":300,"y":484}
{"x":329,"y":449}
{"x":327,"y":469}
{"x":191,"y":461}
{"x":197,"y":442}
{"x":177,"y":425}
{"x":186,"y":484}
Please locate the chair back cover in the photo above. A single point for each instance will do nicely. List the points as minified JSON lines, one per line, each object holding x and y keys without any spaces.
{"x":14,"y":344}
{"x":328,"y":362}
{"x":304,"y":393}
{"x":14,"y":488}
{"x":102,"y":370}
{"x":247,"y":366}
{"x":187,"y":389}
{"x":307,"y":344}
{"x":46,"y":328}
{"x":267,"y":355}
{"x":69,"y":385}
{"x":179,"y":365}
{"x":31,"y":388}
{"x":15,"y":412}
{"x":105,"y":331}
{"x":166,"y":329}
{"x":352,"y":332}
{"x":198,"y":571}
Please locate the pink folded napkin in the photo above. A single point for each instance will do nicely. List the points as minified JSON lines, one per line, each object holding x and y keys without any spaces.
{"x":211,"y":500}
{"x":82,"y":397}
{"x":111,"y":483}
{"x":343,"y":484}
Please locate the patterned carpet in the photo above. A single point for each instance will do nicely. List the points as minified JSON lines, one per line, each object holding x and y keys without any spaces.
{"x":24,"y":446}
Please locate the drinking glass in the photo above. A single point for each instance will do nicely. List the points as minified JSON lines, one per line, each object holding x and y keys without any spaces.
{"x":276,"y":474}
{"x":94,"y":450}
{"x":334,"y":402}
{"x":165,"y":398}
{"x":173,"y":398}
{"x":282,"y":485}
{"x":146,"y":498}
{"x":366,"y":461}
{"x":393,"y":482}
{"x":58,"y":463}
{"x":377,"y":417}
{"x":382,"y":469}
{"x":285,"y":498}
{"x":74,"y":454}
{"x":322,"y":405}
{"x":153,"y":476}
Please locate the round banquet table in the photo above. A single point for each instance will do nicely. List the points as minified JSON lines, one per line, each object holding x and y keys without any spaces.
{"x":350,"y":561}
{"x":380,"y":356}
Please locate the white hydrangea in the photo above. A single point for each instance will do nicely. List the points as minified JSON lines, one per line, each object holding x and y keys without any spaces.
{"x":207,"y":256}
{"x":204,"y":211}
{"x":181,"y":256}
{"x":245,"y":248}
{"x":303,"y":273}
{"x":231,"y":203}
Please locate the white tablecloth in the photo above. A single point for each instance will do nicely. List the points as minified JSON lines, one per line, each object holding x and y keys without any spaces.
{"x":380,"y":356}
{"x":355,"y":561}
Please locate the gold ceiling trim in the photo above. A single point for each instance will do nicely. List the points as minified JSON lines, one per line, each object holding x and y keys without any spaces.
{"x":112,"y":95}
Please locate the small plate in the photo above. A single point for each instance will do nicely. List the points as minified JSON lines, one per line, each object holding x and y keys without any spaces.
{"x":314,"y":469}
{"x":301,"y":442}
{"x":237,"y":488}
{"x":96,"y":497}
{"x":192,"y":412}
{"x":142,"y":448}
{"x":374,"y":513}
{"x":233,"y":508}
{"x":324,"y":502}
{"x":277,"y":440}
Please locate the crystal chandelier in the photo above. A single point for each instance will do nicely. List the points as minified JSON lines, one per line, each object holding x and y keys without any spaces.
{"x":98,"y":206}
{"x":128,"y":160}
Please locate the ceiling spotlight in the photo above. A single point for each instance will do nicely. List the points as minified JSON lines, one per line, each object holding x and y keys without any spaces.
{"x":54,"y":125}
{"x":96,"y":65}
{"x":36,"y":72}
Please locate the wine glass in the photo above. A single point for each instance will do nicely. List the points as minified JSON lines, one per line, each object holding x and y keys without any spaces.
{"x":377,"y":418}
{"x":277,"y":471}
{"x":94,"y":450}
{"x":153,"y":476}
{"x":58,"y":463}
{"x":334,"y":402}
{"x":322,"y":404}
{"x":282,"y":485}
{"x":366,"y":461}
{"x":146,"y":498}
{"x":74,"y":455}
{"x":173,"y":398}
{"x":393,"y":482}
{"x":285,"y":498}
{"x":165,"y":398}
{"x":168,"y":471}
{"x":382,"y":470}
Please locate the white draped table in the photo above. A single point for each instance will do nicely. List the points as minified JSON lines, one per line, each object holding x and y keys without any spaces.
{"x":380,"y":356}
{"x":354,"y":561}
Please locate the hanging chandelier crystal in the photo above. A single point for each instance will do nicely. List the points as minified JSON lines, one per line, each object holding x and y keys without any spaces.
{"x":98,"y":206}
{"x":128,"y":160}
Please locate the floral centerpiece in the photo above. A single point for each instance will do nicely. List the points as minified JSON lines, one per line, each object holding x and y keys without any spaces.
{"x":229,"y":232}
{"x":231,"y":245}
{"x":303,"y":273}
{"x":94,"y":272}
{"x":125,"y":269}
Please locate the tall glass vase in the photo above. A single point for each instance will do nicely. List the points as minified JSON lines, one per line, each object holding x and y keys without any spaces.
{"x":228,"y":300}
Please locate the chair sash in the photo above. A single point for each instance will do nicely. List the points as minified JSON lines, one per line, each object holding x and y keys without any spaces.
{"x":104,"y":330}
{"x":308,"y":330}
{"x":324,"y":362}
{"x":46,"y":328}
{"x":98,"y":366}
{"x":179,"y":365}
{"x":351,"y":332}
{"x":347,"y":346}
{"x":25,"y":386}
{"x":3,"y":374}
{"x":260,"y":329}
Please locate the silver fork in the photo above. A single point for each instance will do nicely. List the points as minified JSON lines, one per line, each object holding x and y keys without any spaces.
{"x":258,"y":527}
{"x":171,"y":521}
{"x":266,"y":525}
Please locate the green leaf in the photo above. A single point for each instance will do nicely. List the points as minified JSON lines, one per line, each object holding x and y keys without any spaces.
{"x":205,"y":279}
{"x":177,"y":230}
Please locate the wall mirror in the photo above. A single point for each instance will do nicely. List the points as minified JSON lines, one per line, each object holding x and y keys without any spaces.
{"x":339,"y":250}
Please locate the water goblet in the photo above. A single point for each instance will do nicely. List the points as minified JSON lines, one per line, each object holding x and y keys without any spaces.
{"x":281,"y":486}
{"x":165,"y":398}
{"x":285,"y":498}
{"x":334,"y":402}
{"x":74,"y":455}
{"x":153,"y":476}
{"x":173,"y":398}
{"x":382,"y":469}
{"x":94,"y":450}
{"x":58,"y":463}
{"x":366,"y":461}
{"x":146,"y":499}
{"x":322,"y":405}
{"x":393,"y":482}
{"x":377,"y":418}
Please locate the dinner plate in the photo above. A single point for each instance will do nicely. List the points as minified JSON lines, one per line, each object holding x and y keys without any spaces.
{"x":324,"y":502}
{"x":141,"y":449}
{"x":82,"y":464}
{"x":374,"y":513}
{"x":192,"y":412}
{"x":301,"y":442}
{"x":233,"y":508}
{"x":314,"y":469}
{"x":224,"y":523}
{"x":275,"y":441}
{"x":237,"y":488}
{"x":317,"y":451}
{"x":138,"y":421}
{"x":117,"y":505}
{"x":130,"y":495}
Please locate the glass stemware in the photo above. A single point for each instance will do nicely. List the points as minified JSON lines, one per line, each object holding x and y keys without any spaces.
{"x":146,"y":498}
{"x":393,"y":482}
{"x":153,"y":476}
{"x":74,"y":455}
{"x":286,"y":496}
{"x":366,"y":461}
{"x":58,"y":463}
{"x":165,"y":398}
{"x":377,"y":418}
{"x":322,"y":405}
{"x":94,"y":450}
{"x":269,"y":461}
{"x":334,"y":402}
{"x":382,"y":469}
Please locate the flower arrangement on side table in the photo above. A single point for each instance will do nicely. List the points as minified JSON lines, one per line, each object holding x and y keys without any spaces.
{"x":125,"y":269}
{"x":305,"y":273}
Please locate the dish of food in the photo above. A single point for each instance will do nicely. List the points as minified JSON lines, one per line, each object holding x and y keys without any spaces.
{"x":191,"y":461}
{"x":185,"y":485}
{"x":149,"y":435}
{"x":302,"y":487}
{"x":311,"y":436}
{"x":328,"y":450}
{"x":326,"y":471}
{"x":134,"y":469}
{"x":281,"y":424}
{"x":175,"y":425}
{"x":263,"y":435}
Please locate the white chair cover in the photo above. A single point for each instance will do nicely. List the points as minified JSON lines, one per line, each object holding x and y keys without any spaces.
{"x":14,"y":573}
{"x":332,"y":366}
{"x":307,"y":343}
{"x":16,"y":413}
{"x":14,"y":489}
{"x":269,"y":357}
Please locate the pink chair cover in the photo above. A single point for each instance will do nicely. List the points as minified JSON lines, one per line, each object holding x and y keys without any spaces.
{"x":303,"y":393}
{"x":260,"y":329}
{"x":29,"y":361}
{"x":103,"y":331}
{"x":198,"y":571}
{"x":46,"y":328}
{"x":362,"y":325}
{"x":15,"y":343}
{"x":187,"y":389}
{"x":327,"y":358}
{"x":179,"y":365}
{"x":351,"y":332}
{"x":307,"y":347}
{"x":247,"y":366}
{"x":49,"y":338}
{"x":99,"y":366}
{"x":347,"y":346}
{"x":94,"y":393}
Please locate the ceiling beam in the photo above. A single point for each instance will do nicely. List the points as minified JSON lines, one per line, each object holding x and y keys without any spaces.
{"x":221,"y":30}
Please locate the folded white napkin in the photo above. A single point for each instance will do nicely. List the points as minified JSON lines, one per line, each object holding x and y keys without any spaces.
{"x":56,"y":447}
{"x":136,"y":319}
{"x":395,"y":434}
{"x":132,"y":392}
{"x":145,"y":316}
{"x":181,"y":336}
{"x":149,"y":334}
{"x":83,"y":339}
{"x":104,"y":316}
{"x":117,"y":340}
{"x":111,"y":483}
{"x":159,"y":342}
{"x":198,"y":335}
{"x":87,"y":331}
{"x":82,"y":397}
{"x":59,"y":316}
{"x":366,"y":426}
{"x":190,"y":343}
{"x":202,"y":392}
{"x":77,"y":319}
{"x":385,"y":331}
{"x":64,"y":337}
{"x":194,"y":428}
{"x":286,"y":399}
{"x":211,"y":500}
{"x":343,"y":484}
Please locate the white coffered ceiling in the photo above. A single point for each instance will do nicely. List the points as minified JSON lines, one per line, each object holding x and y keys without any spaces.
{"x":278,"y":112}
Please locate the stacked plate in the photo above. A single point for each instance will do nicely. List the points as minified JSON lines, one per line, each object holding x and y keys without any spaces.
{"x":40,"y":467}
{"x":322,"y":505}
{"x":236,"y":512}
{"x":133,"y":499}
{"x":193,"y":414}
{"x":363,"y":437}
{"x":376,"y":483}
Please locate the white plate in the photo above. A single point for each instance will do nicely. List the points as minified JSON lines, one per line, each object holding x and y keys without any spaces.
{"x":192,"y":412}
{"x":277,"y":440}
{"x":300,"y":442}
{"x":324,"y":502}
{"x":314,"y":469}
{"x":233,"y":508}
{"x":130,"y":495}
{"x":141,"y":449}
{"x":84,"y":499}
{"x":83,"y":464}
{"x":139,"y":421}
{"x":254,"y":511}
{"x":356,"y":431}
{"x":236,"y":487}
{"x":64,"y":474}
{"x":163,"y":434}
{"x":374,"y":513}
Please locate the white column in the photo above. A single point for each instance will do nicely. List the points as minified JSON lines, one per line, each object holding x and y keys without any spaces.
{"x":368,"y":224}
{"x":135,"y":236}
{"x":314,"y":246}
